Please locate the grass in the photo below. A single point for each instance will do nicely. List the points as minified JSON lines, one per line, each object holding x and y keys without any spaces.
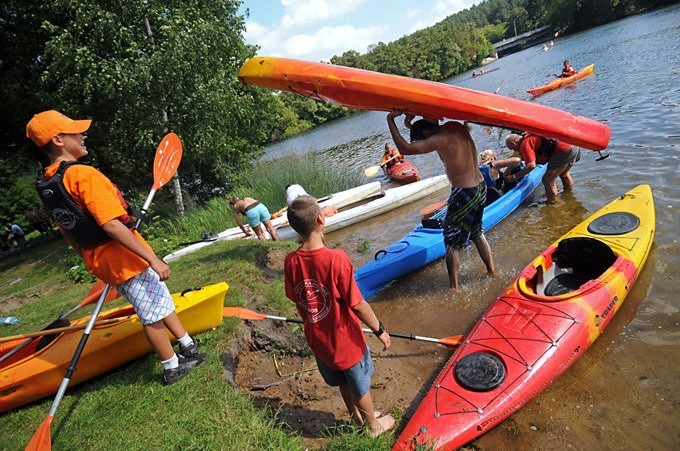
{"x":129,"y":408}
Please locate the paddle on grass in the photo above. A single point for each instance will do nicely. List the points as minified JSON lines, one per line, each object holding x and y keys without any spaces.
{"x":92,"y":296}
{"x":59,"y":330}
{"x":166,"y":161}
{"x":240,"y":312}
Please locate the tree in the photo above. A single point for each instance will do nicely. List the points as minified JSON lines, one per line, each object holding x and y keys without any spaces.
{"x":93,"y":58}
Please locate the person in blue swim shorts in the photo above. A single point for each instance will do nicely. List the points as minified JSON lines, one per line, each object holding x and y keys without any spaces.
{"x":257,"y":215}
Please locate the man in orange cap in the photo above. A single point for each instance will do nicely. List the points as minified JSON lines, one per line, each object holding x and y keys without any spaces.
{"x":92,"y":216}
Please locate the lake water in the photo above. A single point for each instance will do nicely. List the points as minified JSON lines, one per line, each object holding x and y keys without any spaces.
{"x":624,"y":393}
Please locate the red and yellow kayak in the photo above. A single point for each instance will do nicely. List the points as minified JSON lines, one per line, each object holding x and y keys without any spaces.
{"x":559,"y":82}
{"x":402,"y":172}
{"x":539,"y":326}
{"x":33,"y":373}
{"x":368,"y":90}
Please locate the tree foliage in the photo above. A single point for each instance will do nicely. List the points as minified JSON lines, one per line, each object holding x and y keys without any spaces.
{"x":138,"y":69}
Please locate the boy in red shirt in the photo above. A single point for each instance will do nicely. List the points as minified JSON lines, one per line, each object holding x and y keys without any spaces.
{"x":321,"y":283}
{"x":92,"y":218}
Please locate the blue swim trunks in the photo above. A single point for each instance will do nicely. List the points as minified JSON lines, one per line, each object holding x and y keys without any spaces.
{"x":257,"y":215}
{"x":464,"y":216}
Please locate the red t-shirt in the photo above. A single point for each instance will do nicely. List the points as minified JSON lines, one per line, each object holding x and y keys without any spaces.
{"x":531,"y":143}
{"x":321,"y":283}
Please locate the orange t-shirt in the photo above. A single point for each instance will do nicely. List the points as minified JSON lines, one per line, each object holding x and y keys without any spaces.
{"x":93,"y":191}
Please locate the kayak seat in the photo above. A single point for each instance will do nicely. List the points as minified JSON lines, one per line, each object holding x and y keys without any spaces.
{"x":587,"y":259}
{"x":492,"y":195}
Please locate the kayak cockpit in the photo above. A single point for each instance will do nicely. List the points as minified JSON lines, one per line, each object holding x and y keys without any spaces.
{"x":566,"y":268}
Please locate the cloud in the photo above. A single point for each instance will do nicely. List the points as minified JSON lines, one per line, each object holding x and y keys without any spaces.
{"x":300,"y":33}
{"x":441,"y":10}
{"x":332,"y":41}
{"x":303,"y":12}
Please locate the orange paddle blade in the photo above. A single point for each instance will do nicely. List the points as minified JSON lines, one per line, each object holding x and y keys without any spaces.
{"x":96,"y":291}
{"x":240,"y":312}
{"x":433,"y":208}
{"x":42,"y":440}
{"x":452,"y":341}
{"x":168,"y":157}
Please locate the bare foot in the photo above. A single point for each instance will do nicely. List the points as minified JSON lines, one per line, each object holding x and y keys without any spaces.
{"x":384,"y":424}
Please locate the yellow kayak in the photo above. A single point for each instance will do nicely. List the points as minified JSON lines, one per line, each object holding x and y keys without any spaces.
{"x":37,"y":370}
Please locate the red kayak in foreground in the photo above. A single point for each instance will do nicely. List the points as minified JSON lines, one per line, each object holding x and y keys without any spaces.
{"x":539,"y":326}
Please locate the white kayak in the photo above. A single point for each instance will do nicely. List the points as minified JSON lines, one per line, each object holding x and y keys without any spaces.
{"x":339,"y":200}
{"x":393,"y":198}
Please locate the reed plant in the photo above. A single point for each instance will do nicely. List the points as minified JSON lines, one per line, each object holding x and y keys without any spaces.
{"x":267,"y":183}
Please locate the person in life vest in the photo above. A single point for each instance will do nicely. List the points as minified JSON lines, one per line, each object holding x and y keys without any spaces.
{"x":534,"y":150}
{"x":567,"y":70}
{"x":391,"y":157}
{"x":92,"y":217}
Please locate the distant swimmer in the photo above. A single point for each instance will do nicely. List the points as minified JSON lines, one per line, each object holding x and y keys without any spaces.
{"x":545,"y":48}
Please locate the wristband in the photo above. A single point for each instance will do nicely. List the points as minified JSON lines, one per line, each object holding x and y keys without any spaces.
{"x":381,"y":329}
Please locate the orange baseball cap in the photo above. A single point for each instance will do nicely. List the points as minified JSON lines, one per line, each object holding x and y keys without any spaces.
{"x":50,"y":123}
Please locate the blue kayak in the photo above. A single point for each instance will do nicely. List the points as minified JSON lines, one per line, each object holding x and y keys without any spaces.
{"x":424,"y":245}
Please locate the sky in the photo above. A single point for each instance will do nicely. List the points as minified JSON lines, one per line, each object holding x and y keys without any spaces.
{"x":315,"y":30}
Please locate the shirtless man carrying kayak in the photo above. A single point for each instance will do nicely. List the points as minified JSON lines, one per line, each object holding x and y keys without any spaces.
{"x":457,"y":150}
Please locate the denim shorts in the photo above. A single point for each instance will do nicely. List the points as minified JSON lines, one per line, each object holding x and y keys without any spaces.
{"x":150,"y":297}
{"x":357,"y":377}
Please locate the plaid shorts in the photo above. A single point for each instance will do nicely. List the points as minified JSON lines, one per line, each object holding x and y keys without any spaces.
{"x":149,"y":296}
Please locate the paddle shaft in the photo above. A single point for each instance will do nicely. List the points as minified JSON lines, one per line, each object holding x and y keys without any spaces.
{"x":58,"y":330}
{"x":391,"y":334}
{"x":90,"y":325}
{"x":388,"y":160}
{"x":79,"y":349}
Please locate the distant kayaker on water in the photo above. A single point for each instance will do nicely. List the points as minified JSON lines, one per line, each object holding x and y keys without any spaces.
{"x":567,"y":70}
{"x":257,"y":215}
{"x":456,"y":149}
{"x":535,"y":150}
{"x":320,"y":281}
{"x":105,"y":237}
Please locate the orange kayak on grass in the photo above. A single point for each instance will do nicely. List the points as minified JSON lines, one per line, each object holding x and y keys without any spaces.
{"x":37,"y":370}
{"x":402,"y":172}
{"x":559,"y":82}
{"x":538,"y":327}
